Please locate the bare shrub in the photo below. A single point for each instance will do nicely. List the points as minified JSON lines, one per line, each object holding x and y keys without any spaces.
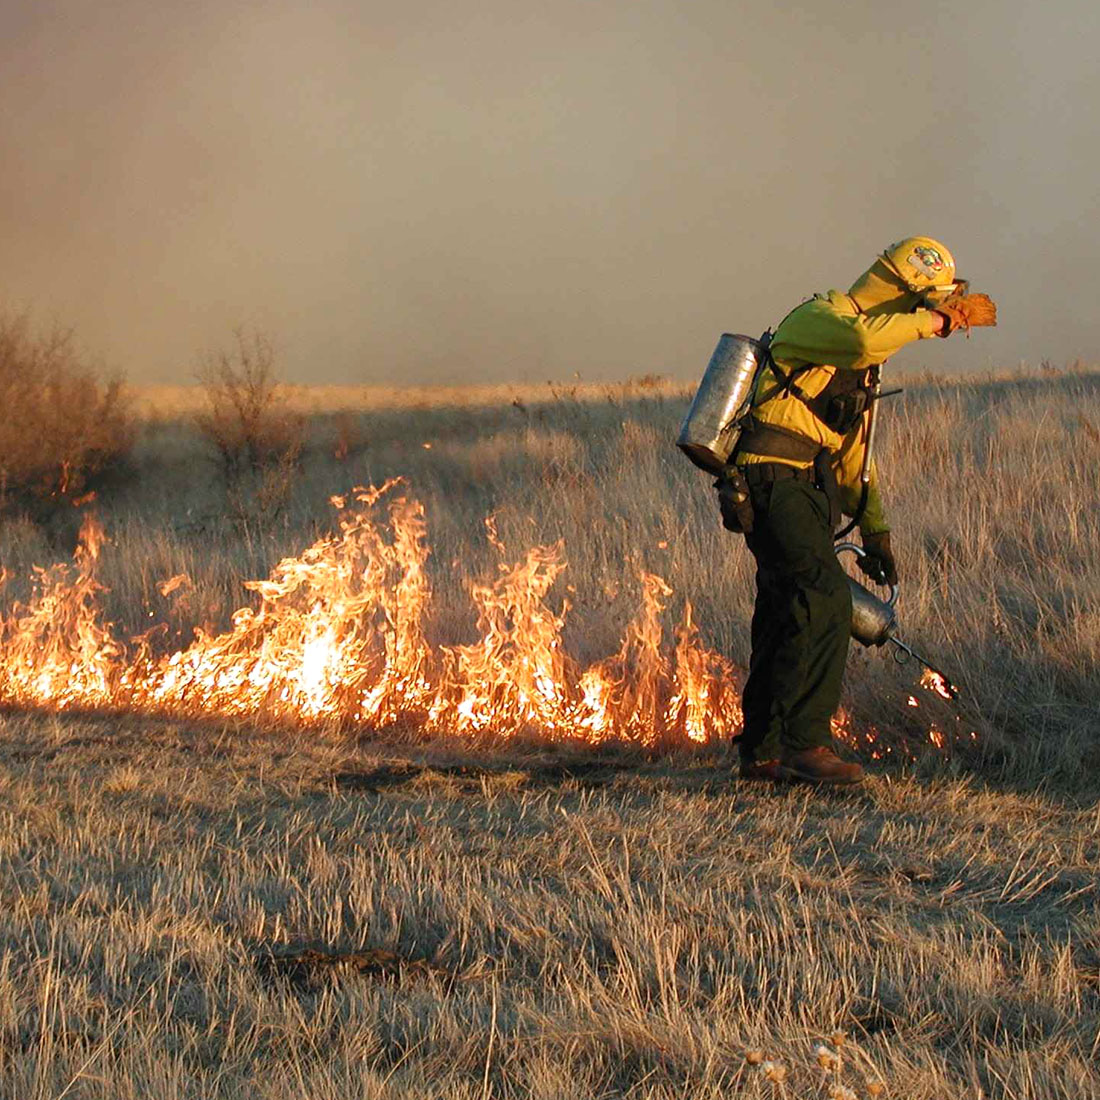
{"x":257,"y":437}
{"x":63,"y":426}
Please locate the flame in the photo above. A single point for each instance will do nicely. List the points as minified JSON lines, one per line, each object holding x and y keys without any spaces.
{"x":336,"y":638}
{"x":935,"y":681}
{"x":174,"y":584}
{"x":707,"y":703}
{"x":56,"y":649}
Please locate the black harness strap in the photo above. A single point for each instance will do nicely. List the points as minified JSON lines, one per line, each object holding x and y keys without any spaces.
{"x":787,"y":384}
{"x":773,"y":441}
{"x":836,"y":406}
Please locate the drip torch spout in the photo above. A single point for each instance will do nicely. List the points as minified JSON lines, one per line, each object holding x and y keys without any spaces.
{"x":940,"y":683}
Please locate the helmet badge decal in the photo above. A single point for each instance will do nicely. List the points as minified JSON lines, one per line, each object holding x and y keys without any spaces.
{"x":927,"y":261}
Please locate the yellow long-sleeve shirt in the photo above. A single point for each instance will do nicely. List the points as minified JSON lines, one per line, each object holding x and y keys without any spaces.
{"x":826,"y":334}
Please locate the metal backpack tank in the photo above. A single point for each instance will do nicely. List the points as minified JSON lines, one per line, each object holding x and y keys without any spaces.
{"x":710,"y":430}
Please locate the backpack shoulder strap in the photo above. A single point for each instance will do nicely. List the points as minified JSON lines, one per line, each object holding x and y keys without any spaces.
{"x":787,"y":379}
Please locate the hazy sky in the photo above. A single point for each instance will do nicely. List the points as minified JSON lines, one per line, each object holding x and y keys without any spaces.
{"x":523,"y":189}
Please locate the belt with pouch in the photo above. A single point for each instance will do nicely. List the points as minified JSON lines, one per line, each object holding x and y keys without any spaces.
{"x":771,"y":441}
{"x":761,"y":473}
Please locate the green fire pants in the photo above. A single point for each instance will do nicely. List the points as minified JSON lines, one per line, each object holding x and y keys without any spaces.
{"x":800,"y":624}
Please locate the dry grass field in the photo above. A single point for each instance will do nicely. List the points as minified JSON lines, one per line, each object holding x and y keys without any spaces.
{"x":223,"y":908}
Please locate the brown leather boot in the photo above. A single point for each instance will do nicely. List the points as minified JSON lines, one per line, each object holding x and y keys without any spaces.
{"x":770,"y":770}
{"x":820,"y":765}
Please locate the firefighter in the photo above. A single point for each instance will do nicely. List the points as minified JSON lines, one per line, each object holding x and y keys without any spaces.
{"x":799,"y":462}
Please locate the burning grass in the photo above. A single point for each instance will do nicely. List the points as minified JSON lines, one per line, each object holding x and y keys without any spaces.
{"x":338,"y":639}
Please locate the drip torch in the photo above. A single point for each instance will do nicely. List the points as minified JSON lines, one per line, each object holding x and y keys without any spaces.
{"x":875,"y":622}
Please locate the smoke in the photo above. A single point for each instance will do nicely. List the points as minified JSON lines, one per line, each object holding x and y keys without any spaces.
{"x":437,"y":193}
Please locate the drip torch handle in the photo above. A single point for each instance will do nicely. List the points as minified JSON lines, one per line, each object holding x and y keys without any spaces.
{"x":861,"y":553}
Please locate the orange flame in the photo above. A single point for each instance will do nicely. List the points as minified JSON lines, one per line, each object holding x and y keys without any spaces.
{"x":174,"y":584}
{"x":55,"y":649}
{"x":338,"y":637}
{"x":933,"y":681}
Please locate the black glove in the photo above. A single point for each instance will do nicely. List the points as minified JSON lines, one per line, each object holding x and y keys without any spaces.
{"x":879,"y":562}
{"x":734,"y":500}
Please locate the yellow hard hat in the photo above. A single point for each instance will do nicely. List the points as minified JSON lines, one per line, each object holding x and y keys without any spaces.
{"x":925,"y":266}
